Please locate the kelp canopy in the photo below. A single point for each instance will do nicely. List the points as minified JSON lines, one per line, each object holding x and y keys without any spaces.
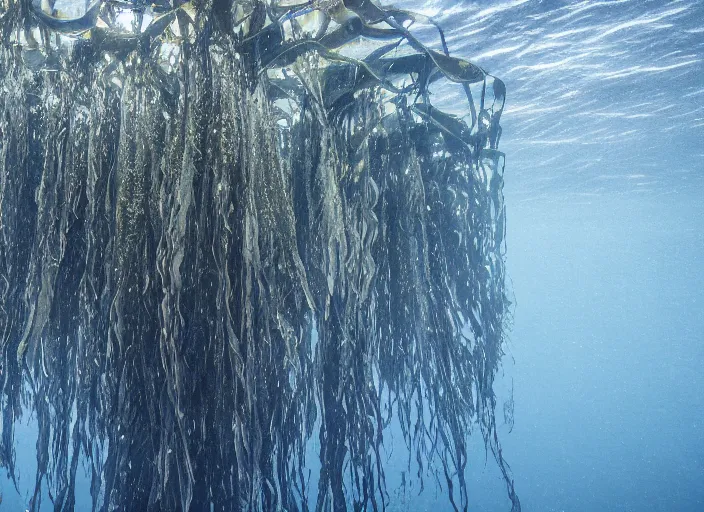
{"x":230,"y":227}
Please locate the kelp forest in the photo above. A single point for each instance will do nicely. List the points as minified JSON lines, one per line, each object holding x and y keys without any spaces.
{"x":237,"y":237}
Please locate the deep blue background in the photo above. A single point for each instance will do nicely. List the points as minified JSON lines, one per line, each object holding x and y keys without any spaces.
{"x":609,"y":348}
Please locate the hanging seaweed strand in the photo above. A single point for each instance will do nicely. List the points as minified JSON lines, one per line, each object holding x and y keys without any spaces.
{"x":228,"y":230}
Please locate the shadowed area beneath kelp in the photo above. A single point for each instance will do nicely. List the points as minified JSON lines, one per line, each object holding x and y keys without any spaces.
{"x":187,"y":195}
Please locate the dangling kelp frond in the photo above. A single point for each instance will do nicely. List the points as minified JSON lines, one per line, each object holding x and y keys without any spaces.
{"x":228,"y":228}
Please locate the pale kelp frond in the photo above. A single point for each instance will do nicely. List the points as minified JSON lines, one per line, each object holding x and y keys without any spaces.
{"x":227,"y":227}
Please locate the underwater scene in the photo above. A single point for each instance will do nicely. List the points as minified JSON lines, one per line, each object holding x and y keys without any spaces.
{"x":352,"y":255}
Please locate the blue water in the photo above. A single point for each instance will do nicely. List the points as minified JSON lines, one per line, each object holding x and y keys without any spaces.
{"x":608,"y":349}
{"x":604,"y":137}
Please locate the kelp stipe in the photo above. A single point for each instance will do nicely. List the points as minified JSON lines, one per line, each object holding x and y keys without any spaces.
{"x":228,"y":227}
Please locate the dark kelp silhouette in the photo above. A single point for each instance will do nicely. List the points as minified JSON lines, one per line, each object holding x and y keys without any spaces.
{"x":226,"y":227}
